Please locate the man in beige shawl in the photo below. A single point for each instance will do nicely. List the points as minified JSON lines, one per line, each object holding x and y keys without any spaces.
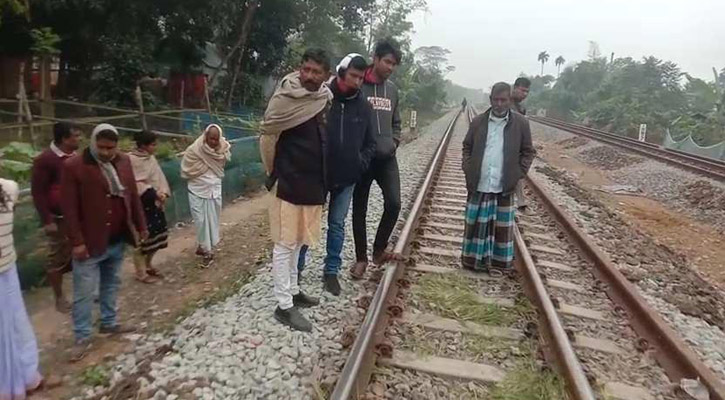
{"x":203,"y":168}
{"x":292,"y":143}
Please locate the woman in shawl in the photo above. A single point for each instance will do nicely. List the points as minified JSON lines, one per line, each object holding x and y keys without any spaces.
{"x":154,"y":190}
{"x":203,"y":168}
{"x":18,"y":347}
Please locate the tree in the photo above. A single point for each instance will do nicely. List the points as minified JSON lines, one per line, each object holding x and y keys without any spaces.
{"x":11,"y":7}
{"x":594,"y":52}
{"x":559,"y":62}
{"x":543,"y":59}
{"x":389,"y":18}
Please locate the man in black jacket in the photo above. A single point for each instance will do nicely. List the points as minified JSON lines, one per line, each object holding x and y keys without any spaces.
{"x":383,"y":97}
{"x":293,"y":149}
{"x":350,"y":147}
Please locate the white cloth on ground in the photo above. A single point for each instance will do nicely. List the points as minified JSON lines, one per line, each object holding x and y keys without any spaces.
{"x":284,"y":270}
{"x":18,"y":347}
{"x":206,"y":213}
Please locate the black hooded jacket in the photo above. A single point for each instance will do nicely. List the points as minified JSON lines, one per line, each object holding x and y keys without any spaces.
{"x":351,"y":142}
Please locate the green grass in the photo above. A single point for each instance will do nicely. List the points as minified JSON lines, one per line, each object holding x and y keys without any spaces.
{"x":95,"y":376}
{"x":454,"y":296}
{"x":528,"y":381}
{"x":496,"y":348}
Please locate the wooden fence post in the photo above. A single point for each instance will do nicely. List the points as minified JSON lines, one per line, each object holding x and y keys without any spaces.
{"x":139,"y":100}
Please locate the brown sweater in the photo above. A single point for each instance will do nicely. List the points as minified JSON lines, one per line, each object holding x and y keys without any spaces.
{"x":88,"y":205}
{"x":45,"y":185}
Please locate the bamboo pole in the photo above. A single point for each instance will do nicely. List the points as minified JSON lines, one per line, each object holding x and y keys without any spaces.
{"x":139,"y":101}
{"x":206,"y":95}
{"x":181,"y":101}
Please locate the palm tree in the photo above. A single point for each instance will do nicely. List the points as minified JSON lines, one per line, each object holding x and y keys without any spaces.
{"x":559,"y":62}
{"x":543,"y":58}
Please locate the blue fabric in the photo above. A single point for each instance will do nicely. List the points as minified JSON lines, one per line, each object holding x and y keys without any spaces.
{"x":18,"y":347}
{"x":492,"y":163}
{"x":336,"y":215}
{"x":103,"y":269}
{"x":488,"y":236}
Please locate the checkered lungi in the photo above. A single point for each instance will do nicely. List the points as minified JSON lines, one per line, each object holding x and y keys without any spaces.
{"x":488,"y":239}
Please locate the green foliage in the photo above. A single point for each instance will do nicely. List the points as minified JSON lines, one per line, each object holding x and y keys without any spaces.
{"x":165,"y":151}
{"x":95,"y":376}
{"x":16,"y":171}
{"x":124,"y":64}
{"x":11,"y":7}
{"x":529,"y":381}
{"x":17,"y":151}
{"x":45,"y":42}
{"x":622,"y":94}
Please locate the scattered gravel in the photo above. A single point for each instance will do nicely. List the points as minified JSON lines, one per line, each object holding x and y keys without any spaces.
{"x":573,"y":142}
{"x":608,"y":158}
{"x":235,"y":349}
{"x":700,"y":198}
{"x":694,"y":308}
{"x":704,"y":202}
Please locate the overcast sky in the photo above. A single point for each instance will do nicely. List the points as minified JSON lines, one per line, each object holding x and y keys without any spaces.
{"x":493,"y":41}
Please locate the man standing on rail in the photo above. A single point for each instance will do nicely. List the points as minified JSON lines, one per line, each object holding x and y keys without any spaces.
{"x":383,"y":97}
{"x":45,"y":187}
{"x":519,"y":94}
{"x":292,"y":145}
{"x":497,"y":153}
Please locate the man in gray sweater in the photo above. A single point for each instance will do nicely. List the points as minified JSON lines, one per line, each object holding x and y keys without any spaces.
{"x":383,"y":97}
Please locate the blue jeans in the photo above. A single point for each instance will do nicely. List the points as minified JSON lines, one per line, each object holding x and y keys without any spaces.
{"x":337,"y":213}
{"x":103,"y":269}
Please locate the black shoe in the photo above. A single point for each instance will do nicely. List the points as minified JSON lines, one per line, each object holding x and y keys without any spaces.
{"x":303,"y":300}
{"x":332,"y":285}
{"x":293,"y":318}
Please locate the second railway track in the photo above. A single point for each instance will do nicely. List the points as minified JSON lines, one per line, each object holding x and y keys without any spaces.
{"x":705,"y":166}
{"x":436,"y":331}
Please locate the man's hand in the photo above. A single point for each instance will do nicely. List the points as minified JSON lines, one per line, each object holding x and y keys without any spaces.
{"x":51,"y":228}
{"x":80,"y":253}
{"x":144,"y":235}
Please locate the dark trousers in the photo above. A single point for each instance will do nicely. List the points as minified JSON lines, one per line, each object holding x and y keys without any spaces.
{"x":386,"y":174}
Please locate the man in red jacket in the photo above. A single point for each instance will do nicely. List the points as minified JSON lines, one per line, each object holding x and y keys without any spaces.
{"x":102,"y":211}
{"x":45,"y":186}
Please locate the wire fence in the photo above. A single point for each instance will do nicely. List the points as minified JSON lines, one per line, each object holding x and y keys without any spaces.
{"x":177,"y":129}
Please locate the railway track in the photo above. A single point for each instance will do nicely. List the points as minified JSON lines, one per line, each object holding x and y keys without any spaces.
{"x":706,"y":166}
{"x":433,"y":330}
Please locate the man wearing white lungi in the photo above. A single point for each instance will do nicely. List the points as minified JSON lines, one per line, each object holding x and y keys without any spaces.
{"x":203,"y":167}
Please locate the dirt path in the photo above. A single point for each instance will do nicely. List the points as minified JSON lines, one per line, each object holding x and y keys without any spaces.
{"x":156,"y":307}
{"x":700,"y":243}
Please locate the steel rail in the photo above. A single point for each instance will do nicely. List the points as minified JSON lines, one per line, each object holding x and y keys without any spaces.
{"x":675,"y":357}
{"x":715,"y":163}
{"x":702,"y":165}
{"x":358,"y":368}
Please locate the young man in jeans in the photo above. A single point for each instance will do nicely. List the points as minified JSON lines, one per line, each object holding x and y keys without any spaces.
{"x":103,"y":212}
{"x":383,"y":97}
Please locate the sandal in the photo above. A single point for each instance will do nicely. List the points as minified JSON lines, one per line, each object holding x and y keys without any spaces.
{"x":147,"y":279}
{"x":155,"y":273}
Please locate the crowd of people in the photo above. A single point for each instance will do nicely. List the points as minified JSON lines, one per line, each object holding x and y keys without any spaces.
{"x":323,"y":140}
